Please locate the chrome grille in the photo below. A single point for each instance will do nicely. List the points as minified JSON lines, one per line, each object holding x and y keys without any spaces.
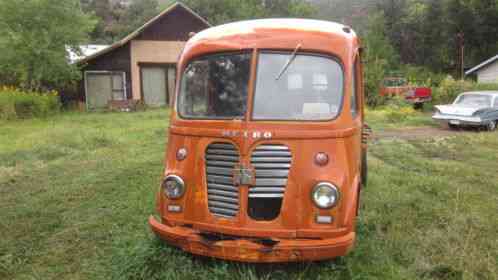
{"x":271,"y":164}
{"x":223,"y":196}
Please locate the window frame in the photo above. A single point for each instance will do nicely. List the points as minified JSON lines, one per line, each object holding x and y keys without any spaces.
{"x":355,"y":89}
{"x":214,"y":54}
{"x":302,"y":52}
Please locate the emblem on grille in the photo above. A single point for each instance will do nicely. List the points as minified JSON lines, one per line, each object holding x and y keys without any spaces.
{"x":243,"y":176}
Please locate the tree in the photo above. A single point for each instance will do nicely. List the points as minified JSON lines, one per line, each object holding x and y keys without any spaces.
{"x":35,"y":34}
{"x":380,"y":57}
{"x":134,"y":16}
{"x":223,"y":11}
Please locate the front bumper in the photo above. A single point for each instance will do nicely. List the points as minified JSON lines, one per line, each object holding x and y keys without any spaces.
{"x":458,"y":120}
{"x":247,"y":250}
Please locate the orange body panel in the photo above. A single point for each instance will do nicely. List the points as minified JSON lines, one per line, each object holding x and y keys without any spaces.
{"x":298,"y":235}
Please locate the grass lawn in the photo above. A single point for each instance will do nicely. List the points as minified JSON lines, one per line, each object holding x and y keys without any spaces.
{"x":76,"y":191}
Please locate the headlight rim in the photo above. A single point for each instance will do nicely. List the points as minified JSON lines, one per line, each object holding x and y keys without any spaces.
{"x":178,"y":179}
{"x":331,"y":186}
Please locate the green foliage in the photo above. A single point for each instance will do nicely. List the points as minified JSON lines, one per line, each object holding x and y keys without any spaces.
{"x":394,"y":110}
{"x":450,"y":88}
{"x":17,"y":104}
{"x":35,"y":34}
{"x":379,"y":58}
{"x":421,"y":76}
{"x":224,"y":11}
{"x":425,"y":32}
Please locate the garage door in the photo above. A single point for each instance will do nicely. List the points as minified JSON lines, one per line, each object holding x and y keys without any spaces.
{"x":104,"y":87}
{"x":154,"y":86}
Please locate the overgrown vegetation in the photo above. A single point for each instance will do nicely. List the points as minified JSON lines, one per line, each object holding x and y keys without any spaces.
{"x":19,"y":104}
{"x":450,"y":88}
{"x":76,"y":191}
{"x":35,"y":36}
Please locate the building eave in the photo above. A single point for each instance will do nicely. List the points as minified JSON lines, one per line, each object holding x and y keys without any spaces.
{"x":482,"y":65}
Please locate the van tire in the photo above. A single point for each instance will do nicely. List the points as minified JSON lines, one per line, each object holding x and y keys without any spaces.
{"x":364,"y":168}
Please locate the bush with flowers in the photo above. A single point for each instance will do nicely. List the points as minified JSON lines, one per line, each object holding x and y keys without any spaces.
{"x":16,"y":103}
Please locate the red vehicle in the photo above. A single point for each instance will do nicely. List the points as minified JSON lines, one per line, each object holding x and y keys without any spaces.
{"x":392,"y":86}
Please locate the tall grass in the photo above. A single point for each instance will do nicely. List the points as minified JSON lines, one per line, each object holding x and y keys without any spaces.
{"x":19,"y":104}
{"x":76,"y":192}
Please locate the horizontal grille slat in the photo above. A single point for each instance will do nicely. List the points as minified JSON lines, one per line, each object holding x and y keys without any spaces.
{"x":223,"y":146}
{"x":223,"y":199}
{"x":271,"y":166}
{"x":266,"y":189}
{"x":222,"y":192}
{"x":271,"y":159}
{"x":270,"y":182}
{"x":271,"y":148}
{"x":224,"y":205}
{"x":266,"y":195}
{"x":222,"y":158}
{"x":223,"y":196}
{"x":220,"y":163}
{"x":222,"y":152}
{"x":272,"y":173}
{"x":223,"y":187}
{"x":271,"y":153}
{"x":271,"y":163}
{"x":223,"y":212}
{"x":220,"y":179}
{"x":220,"y":170}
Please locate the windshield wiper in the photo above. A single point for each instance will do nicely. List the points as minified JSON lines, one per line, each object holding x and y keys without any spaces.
{"x":291,"y":59}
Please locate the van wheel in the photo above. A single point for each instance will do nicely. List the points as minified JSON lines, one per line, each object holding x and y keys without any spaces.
{"x":364,"y":168}
{"x":491,"y":126}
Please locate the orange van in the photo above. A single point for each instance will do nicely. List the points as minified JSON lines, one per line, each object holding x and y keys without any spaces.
{"x":265,"y":158}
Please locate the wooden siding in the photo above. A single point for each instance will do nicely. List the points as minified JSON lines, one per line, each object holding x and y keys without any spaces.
{"x":488,"y":74}
{"x":175,"y":26}
{"x":116,"y":60}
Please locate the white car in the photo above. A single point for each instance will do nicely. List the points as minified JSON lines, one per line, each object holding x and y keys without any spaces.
{"x":478,"y":108}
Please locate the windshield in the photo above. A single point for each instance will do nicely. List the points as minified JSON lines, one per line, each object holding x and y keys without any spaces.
{"x":395,"y":82}
{"x":474,"y":100}
{"x":310,"y":88}
{"x":215,"y":87}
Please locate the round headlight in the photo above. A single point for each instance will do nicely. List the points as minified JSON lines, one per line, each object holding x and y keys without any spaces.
{"x":325,"y":195}
{"x":173,"y":187}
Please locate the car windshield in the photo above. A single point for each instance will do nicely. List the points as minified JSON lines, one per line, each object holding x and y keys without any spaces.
{"x":474,"y":100}
{"x":395,"y":82}
{"x":215,"y":87}
{"x":310,"y":88}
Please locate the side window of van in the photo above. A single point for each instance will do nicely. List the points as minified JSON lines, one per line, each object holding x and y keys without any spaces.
{"x":496,"y":102}
{"x":354,"y":91}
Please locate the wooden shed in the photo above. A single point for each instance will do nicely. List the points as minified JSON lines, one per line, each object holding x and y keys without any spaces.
{"x":486,"y":72}
{"x":142,"y":66}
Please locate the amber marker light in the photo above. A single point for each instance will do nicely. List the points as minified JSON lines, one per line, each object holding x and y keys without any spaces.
{"x":321,"y":159}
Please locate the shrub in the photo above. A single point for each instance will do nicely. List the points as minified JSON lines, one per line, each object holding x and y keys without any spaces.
{"x":450,"y":88}
{"x":18,"y":104}
{"x":397,"y":109}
